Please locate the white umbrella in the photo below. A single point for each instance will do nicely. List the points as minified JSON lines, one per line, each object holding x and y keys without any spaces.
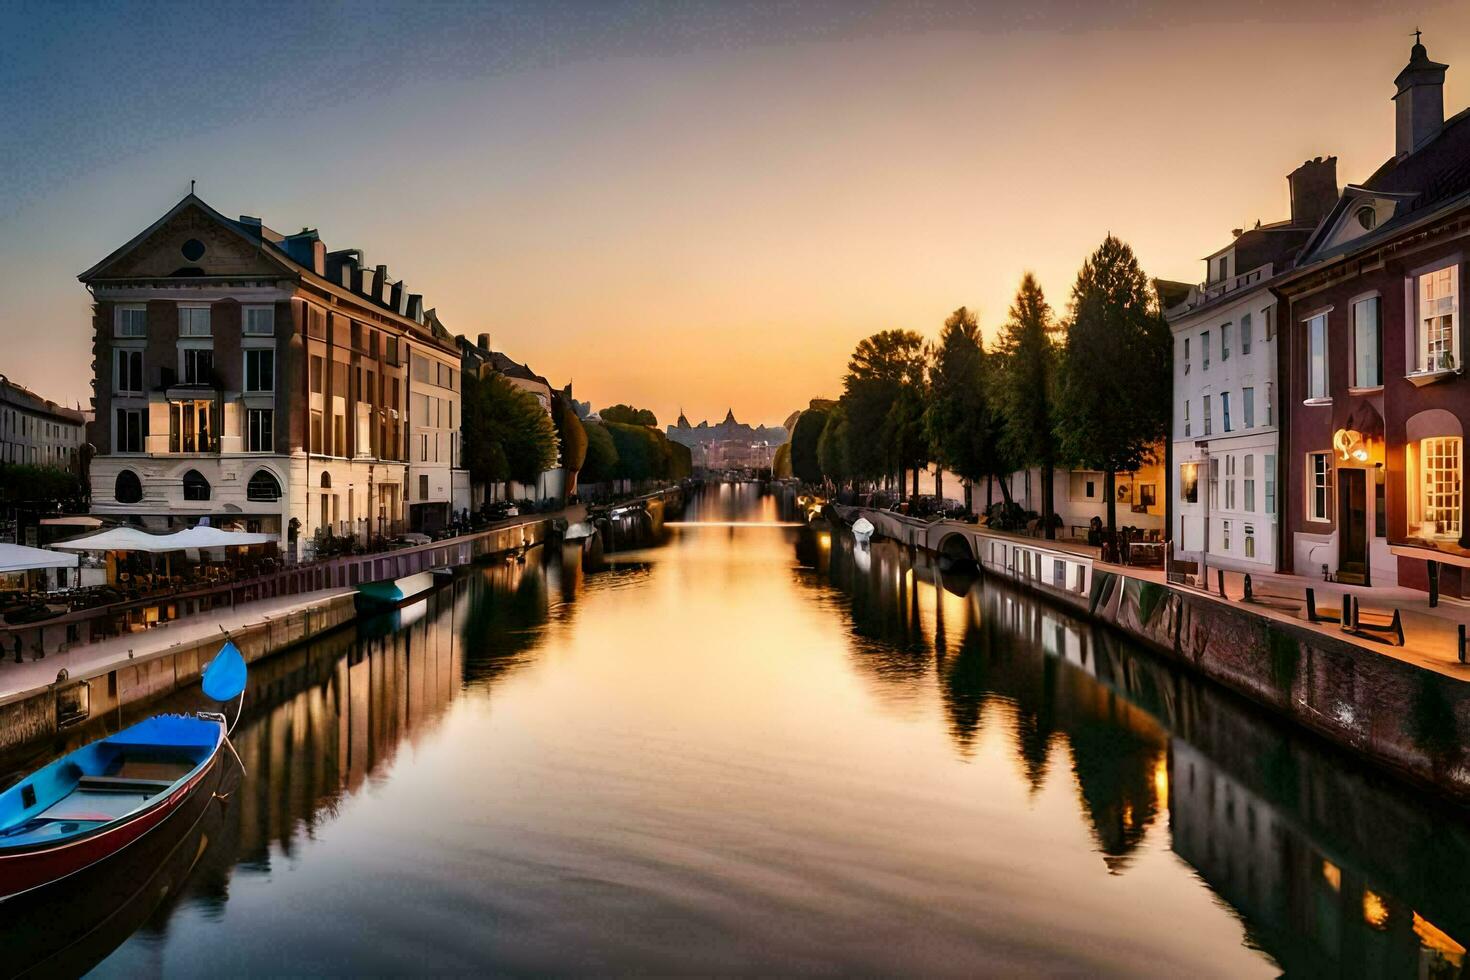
{"x":121,"y":539}
{"x":19,"y":558}
{"x":204,"y":536}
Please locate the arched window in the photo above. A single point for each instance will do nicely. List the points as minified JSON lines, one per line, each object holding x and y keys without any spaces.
{"x":196,"y":487}
{"x":326,"y":481}
{"x":263,"y":486}
{"x":128,"y":489}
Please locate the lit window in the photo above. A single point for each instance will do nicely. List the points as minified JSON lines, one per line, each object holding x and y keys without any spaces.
{"x":1189,"y":483}
{"x":1367,"y":370}
{"x":1215,"y":483}
{"x":1250,"y":541}
{"x":1440,"y":501}
{"x":190,"y":427}
{"x":1438,"y":320}
{"x":1250,"y":481}
{"x":260,"y":321}
{"x":194,"y":321}
{"x":1317,"y":356}
{"x":132,"y":321}
{"x":1229,"y":482}
{"x":1319,"y":487}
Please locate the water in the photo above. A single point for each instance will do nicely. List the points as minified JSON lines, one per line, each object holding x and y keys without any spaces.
{"x":759,"y":749}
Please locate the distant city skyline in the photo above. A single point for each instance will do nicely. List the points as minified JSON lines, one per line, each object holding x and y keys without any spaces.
{"x":644,"y":204}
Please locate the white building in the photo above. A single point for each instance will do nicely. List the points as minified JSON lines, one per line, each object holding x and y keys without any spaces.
{"x":1226,"y":416}
{"x":36,"y":431}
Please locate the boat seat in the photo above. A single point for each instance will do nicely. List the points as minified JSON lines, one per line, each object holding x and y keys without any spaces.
{"x":123,"y":784}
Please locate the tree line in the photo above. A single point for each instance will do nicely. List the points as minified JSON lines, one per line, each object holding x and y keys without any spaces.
{"x":1087,"y":389}
{"x":509,"y":436}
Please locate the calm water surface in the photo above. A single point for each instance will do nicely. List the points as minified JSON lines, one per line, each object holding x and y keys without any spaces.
{"x":759,"y":749}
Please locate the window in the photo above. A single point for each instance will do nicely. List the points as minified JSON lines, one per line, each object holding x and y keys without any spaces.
{"x":260,"y":370}
{"x":260,"y":430}
{"x":131,"y":321}
{"x":194,"y":321}
{"x":1215,"y":482}
{"x":316,"y":374}
{"x":127,"y":433}
{"x":1269,"y":468}
{"x":1225,"y":535}
{"x":339,"y":379}
{"x":1225,"y":342}
{"x":127,"y":372}
{"x":1204,"y":350}
{"x":1222,"y":266}
{"x":1317,"y":357}
{"x":260,"y":321}
{"x":423,"y":486}
{"x":1440,"y":503}
{"x":1319,"y":487}
{"x":1367,"y":344}
{"x":1225,"y":409}
{"x":196,"y":487}
{"x":1438,"y":320}
{"x":263,"y":487}
{"x":1380,"y":505}
{"x":1268,"y":402}
{"x":1250,"y":481}
{"x":1186,"y":417}
{"x":1207,"y":415}
{"x":190,"y":428}
{"x":1186,"y":355}
{"x":420,"y":369}
{"x":316,"y":432}
{"x":1248,"y":406}
{"x":1245,"y":333}
{"x":423,"y":447}
{"x":1250,"y":541}
{"x":198,"y":366}
{"x":1229,"y":482}
{"x":127,"y":489}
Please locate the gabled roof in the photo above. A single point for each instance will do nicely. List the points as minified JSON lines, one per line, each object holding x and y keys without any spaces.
{"x":187,"y":201}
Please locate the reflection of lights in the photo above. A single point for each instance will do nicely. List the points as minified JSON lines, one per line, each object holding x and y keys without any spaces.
{"x":1431,"y":937}
{"x":1332,"y":874}
{"x":1161,"y":781}
{"x":1375,"y":911}
{"x":825,"y":540}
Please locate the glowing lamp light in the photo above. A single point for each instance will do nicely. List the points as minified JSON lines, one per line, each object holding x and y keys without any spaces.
{"x":1350,"y":445}
{"x":1375,"y":910}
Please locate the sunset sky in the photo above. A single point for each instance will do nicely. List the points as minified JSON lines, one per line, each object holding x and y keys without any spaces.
{"x":697,"y":205}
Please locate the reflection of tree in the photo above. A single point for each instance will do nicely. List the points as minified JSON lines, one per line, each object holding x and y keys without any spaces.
{"x":1115,"y":779}
{"x":964,"y":685}
{"x":507,"y":610}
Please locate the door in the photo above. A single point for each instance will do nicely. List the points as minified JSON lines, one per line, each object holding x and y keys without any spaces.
{"x":1352,"y":526}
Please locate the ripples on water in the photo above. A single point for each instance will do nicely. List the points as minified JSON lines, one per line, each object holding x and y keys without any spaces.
{"x":760,"y":749}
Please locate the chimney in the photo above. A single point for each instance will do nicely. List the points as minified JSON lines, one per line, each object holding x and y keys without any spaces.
{"x":485,"y":342}
{"x":398,"y":298}
{"x":1419,"y":101}
{"x":252,"y":225}
{"x":319,"y":257}
{"x":1313,"y":191}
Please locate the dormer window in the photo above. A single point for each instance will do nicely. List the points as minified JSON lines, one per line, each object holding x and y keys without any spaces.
{"x":1222,"y":267}
{"x":1367,"y":216}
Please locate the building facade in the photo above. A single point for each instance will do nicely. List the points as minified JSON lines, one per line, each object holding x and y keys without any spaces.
{"x":36,"y":431}
{"x":255,"y":378}
{"x":1226,"y":455}
{"x":1375,"y":361}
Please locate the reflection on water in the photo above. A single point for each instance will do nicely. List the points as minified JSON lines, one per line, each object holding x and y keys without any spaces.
{"x":761,"y":749}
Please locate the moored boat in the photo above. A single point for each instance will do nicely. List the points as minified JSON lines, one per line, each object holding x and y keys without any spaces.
{"x":862,"y":530}
{"x":391,"y":593}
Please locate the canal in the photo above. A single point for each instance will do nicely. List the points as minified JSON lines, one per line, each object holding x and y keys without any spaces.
{"x":740,"y":746}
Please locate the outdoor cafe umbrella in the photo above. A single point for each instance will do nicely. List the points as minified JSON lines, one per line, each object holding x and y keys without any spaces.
{"x":122,"y":539}
{"x":19,"y":558}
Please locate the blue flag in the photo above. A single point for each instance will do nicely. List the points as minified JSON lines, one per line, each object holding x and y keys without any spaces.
{"x":224,"y":678}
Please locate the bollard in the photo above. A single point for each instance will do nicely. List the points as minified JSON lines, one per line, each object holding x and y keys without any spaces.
{"x":1433,"y":584}
{"x":1349,"y":615}
{"x":1220,"y":581}
{"x":1462,"y":643}
{"x":1248,"y":596}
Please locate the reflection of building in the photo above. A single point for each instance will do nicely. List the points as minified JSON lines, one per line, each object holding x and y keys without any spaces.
{"x":245,"y":374}
{"x":37,"y":431}
{"x":728,"y":445}
{"x":1374,"y":361}
{"x":1225,"y":416}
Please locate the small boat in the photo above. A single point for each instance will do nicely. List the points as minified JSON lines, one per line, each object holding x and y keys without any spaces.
{"x":391,"y":593}
{"x":580,"y":531}
{"x":92,"y":803}
{"x":862,"y":529}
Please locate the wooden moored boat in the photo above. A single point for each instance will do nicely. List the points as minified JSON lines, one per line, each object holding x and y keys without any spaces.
{"x":394,"y":592}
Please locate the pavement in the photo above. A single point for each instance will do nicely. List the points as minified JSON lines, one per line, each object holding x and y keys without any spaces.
{"x":34,"y":674}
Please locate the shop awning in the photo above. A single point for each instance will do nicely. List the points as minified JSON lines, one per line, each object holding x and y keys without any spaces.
{"x":132,"y":539}
{"x":19,"y":558}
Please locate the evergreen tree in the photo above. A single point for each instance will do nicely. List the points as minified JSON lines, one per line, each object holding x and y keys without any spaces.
{"x":1116,"y":373}
{"x":1025,"y":385}
{"x":962,"y":423}
{"x":832,"y":447}
{"x":880,"y":368}
{"x":602,"y":455}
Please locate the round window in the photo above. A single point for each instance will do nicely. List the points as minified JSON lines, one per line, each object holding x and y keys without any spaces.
{"x":1367,"y":217}
{"x":193,"y":249}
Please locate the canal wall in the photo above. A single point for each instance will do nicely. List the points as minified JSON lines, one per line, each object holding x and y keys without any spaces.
{"x":1408,"y":718}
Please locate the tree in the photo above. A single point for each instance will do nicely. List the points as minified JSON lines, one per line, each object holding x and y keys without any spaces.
{"x":903,"y":434}
{"x":628,"y":415}
{"x":832,"y":447}
{"x":880,"y":367}
{"x":640,"y":457}
{"x":602,"y":455}
{"x":781,"y":462}
{"x":681,"y":460}
{"x":962,"y":423}
{"x":1026,"y":383}
{"x":804,"y":435}
{"x":572,"y":437}
{"x":1114,"y":393}
{"x":507,"y":434}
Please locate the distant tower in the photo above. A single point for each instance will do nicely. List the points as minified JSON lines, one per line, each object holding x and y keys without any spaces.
{"x":1418,"y":101}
